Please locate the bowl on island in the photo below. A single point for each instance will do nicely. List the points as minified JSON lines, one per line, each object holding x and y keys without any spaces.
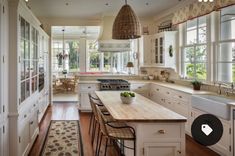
{"x":127,"y":97}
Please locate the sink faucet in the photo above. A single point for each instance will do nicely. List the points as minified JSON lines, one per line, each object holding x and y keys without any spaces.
{"x":228,"y":88}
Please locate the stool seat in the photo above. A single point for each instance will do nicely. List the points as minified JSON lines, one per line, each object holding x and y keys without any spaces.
{"x":119,"y":133}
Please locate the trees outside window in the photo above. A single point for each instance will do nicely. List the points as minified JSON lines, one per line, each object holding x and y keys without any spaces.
{"x":195,"y":49}
{"x":71,"y":62}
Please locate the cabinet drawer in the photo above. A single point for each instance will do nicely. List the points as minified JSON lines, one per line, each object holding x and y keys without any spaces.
{"x":139,"y":86}
{"x":181,"y":96}
{"x":156,"y":88}
{"x":182,"y":108}
{"x":162,"y":131}
{"x":88,"y":87}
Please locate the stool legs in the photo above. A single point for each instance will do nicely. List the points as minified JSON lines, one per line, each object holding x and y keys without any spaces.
{"x":106,"y":144}
{"x":91,"y":122}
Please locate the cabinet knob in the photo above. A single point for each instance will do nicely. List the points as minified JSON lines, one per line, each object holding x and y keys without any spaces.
{"x":162,"y":131}
{"x":89,"y":87}
{"x":157,"y":89}
{"x":31,"y":122}
{"x":179,"y":152}
{"x":167,"y":93}
{"x":180,"y":96}
{"x":25,"y":116}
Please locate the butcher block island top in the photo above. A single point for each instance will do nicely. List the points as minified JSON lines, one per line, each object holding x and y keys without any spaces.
{"x":141,"y":110}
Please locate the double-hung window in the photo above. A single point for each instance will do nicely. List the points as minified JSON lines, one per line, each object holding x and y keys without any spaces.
{"x":226,"y":47}
{"x":195,"y":49}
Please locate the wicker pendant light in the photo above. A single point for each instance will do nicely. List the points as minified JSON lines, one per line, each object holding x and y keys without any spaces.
{"x":126,"y":24}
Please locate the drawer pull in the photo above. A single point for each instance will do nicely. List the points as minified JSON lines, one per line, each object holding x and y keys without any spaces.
{"x":157,"y":89}
{"x":25,"y":116}
{"x":180,"y":97}
{"x":89,"y":87}
{"x":167,"y":93}
{"x":139,"y":87}
{"x":31,"y":122}
{"x":162,"y":131}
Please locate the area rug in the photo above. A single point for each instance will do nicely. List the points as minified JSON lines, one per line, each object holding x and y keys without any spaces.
{"x":63,"y":139}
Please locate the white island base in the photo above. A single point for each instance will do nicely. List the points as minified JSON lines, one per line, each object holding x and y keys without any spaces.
{"x":158,"y":139}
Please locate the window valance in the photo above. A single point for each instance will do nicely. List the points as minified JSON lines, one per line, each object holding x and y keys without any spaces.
{"x":197,"y":9}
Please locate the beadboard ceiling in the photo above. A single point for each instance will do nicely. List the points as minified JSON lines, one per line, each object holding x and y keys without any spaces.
{"x":95,"y":9}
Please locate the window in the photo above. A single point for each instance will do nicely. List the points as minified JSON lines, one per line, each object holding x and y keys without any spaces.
{"x":71,"y":61}
{"x":195,"y":49}
{"x":226,"y":48}
{"x":107,"y":61}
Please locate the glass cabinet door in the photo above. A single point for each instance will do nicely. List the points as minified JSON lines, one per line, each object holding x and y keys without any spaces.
{"x":156,"y":50}
{"x":29,"y":59}
{"x":25,"y":57}
{"x":34,"y":60}
{"x":161,"y":48}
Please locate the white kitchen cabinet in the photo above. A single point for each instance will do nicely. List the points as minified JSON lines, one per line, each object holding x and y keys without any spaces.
{"x":26,"y":47}
{"x":162,"y":149}
{"x":168,"y":138}
{"x":173,"y":100}
{"x":140,"y":88}
{"x":83,"y":91}
{"x":145,"y":50}
{"x":164,"y":49}
{"x":4,"y":135}
{"x":4,"y":139}
{"x":224,"y":146}
{"x":24,"y":137}
{"x":159,"y":50}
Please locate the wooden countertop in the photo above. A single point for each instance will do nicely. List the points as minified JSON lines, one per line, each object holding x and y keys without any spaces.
{"x":142,"y":110}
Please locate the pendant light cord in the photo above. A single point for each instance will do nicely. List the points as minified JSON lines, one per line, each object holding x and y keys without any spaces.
{"x":126,"y":2}
{"x":63,"y":42}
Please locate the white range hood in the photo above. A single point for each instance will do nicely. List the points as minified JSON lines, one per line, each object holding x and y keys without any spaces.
{"x":106,"y":43}
{"x":114,"y":46}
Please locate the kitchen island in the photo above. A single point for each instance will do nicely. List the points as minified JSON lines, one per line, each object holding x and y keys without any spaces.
{"x":159,"y":131}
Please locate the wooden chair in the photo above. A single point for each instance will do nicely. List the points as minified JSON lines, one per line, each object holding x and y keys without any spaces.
{"x":114,"y":131}
{"x":94,"y":118}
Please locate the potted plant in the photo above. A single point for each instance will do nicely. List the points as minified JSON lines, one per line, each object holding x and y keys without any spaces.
{"x":196,"y":85}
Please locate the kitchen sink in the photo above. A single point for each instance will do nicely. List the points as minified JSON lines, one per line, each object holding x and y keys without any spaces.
{"x":213,"y":104}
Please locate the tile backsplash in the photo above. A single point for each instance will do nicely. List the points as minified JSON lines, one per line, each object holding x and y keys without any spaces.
{"x":173,"y":75}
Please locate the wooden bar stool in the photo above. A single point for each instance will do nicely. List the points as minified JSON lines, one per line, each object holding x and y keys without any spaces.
{"x":94,"y":118}
{"x":114,"y":131}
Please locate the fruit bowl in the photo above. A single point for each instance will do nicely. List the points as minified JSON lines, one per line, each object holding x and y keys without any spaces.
{"x":127,"y":97}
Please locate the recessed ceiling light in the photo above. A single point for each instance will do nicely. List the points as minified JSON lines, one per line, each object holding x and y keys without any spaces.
{"x":26,"y":0}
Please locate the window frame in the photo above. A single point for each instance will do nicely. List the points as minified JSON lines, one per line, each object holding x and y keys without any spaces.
{"x":218,"y":44}
{"x":58,"y":48}
{"x":195,"y":45}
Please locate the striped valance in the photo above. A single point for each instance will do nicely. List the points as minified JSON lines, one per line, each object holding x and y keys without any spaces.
{"x":197,"y":9}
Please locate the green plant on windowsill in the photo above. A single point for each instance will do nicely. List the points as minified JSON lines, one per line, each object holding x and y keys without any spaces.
{"x":196,"y":84}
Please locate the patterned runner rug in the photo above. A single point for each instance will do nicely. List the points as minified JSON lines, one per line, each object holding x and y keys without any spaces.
{"x":63,"y":139}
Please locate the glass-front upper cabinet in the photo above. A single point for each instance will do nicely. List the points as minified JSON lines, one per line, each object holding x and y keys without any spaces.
{"x":29,"y":59}
{"x":158,"y":49}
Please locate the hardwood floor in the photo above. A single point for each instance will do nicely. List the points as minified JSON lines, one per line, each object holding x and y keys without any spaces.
{"x":68,"y":111}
